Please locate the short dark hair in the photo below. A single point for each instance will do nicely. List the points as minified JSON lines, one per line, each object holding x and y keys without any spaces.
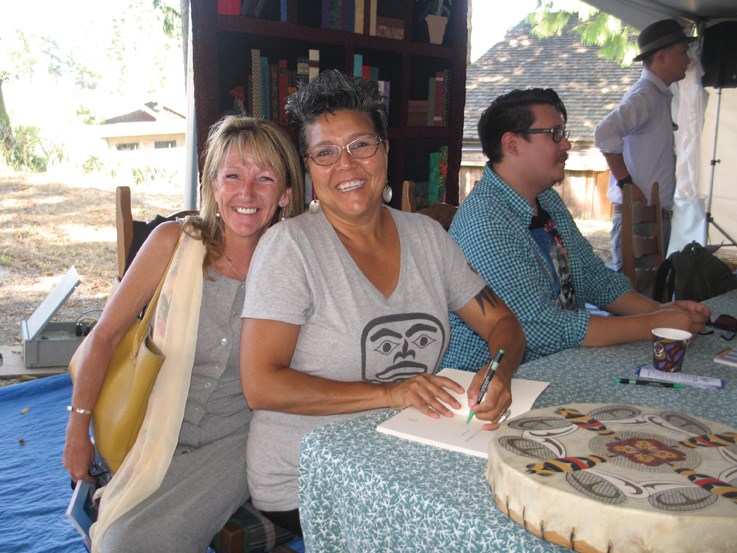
{"x":512,"y":112}
{"x":333,"y":91}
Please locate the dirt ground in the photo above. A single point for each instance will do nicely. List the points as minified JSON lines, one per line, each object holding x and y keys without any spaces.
{"x":45,"y":228}
{"x":48,"y":226}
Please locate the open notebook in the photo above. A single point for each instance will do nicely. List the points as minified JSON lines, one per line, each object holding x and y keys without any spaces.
{"x":453,"y":433}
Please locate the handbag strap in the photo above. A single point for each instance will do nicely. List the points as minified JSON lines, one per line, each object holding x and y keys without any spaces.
{"x":142,"y":330}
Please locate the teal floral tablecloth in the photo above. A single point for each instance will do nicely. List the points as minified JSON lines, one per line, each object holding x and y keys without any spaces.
{"x":362,"y":491}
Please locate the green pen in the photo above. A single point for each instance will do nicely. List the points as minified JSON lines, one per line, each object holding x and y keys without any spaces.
{"x":487,"y":379}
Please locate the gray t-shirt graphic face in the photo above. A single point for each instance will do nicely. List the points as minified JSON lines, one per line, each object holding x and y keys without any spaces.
{"x":349,"y":331}
{"x":405,"y":344}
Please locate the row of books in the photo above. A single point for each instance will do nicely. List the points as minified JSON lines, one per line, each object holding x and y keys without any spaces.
{"x":269,"y":84}
{"x":433,"y":112}
{"x":351,"y":16}
{"x":371,"y":73}
{"x":355,"y":16}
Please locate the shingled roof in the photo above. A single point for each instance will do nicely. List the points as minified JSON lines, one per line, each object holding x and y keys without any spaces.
{"x":589,"y":86}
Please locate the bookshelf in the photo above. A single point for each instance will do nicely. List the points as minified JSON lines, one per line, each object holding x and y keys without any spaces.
{"x":287,"y":30}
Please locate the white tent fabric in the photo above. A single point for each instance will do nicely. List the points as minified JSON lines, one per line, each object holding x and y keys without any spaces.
{"x":689,"y":219}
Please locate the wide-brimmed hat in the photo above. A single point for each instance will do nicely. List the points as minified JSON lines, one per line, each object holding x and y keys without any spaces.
{"x":658,"y":36}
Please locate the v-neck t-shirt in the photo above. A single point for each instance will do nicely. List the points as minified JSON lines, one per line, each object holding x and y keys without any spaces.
{"x":302,"y":274}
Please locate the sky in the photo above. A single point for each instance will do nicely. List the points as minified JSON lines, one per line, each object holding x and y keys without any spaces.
{"x":490,"y":20}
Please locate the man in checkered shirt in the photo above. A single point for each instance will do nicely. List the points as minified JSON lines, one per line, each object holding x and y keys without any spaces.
{"x":517,"y":233}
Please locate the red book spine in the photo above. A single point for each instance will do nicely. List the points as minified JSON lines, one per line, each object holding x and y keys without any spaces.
{"x":438,"y":107}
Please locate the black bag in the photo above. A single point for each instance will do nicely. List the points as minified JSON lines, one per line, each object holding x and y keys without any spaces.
{"x":694,"y":273}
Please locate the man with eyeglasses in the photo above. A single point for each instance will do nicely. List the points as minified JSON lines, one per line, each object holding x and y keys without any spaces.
{"x":517,"y":233}
{"x":636,"y":138}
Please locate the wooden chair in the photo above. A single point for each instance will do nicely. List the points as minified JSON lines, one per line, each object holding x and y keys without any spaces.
{"x":441,"y":212}
{"x":132,"y":233}
{"x":642,"y":254}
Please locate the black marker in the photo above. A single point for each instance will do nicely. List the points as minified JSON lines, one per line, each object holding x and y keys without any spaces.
{"x":649,"y":383}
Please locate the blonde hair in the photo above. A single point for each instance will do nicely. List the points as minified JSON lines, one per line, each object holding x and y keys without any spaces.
{"x":270,"y":147}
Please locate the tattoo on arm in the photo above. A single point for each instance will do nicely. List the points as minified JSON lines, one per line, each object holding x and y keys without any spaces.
{"x":486,"y":295}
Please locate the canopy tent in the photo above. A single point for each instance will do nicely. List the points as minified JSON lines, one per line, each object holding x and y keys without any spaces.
{"x":707,"y":125}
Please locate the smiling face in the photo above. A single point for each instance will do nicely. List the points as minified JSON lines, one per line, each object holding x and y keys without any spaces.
{"x":247,"y":194}
{"x":350,"y":188}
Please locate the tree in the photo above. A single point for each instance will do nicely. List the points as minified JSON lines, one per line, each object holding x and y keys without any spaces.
{"x":6,"y":130}
{"x":616,"y":41}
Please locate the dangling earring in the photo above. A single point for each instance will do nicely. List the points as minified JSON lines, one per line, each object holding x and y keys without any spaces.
{"x":314,"y":204}
{"x":217,"y":213}
{"x":386,"y":194}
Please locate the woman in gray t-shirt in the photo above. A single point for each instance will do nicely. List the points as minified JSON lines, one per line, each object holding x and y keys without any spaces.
{"x":347,"y":305}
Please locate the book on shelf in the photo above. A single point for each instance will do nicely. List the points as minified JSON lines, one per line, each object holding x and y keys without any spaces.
{"x":325,"y":14}
{"x":445,"y":99}
{"x":283,"y":85}
{"x":256,"y":109}
{"x":229,"y":7}
{"x":372,"y":17}
{"x":430,"y":115}
{"x":453,"y":433}
{"x":443,"y":172}
{"x":437,"y":119}
{"x":349,"y":15}
{"x":276,"y":106}
{"x":417,"y":113}
{"x":314,"y":63}
{"x":727,"y":357}
{"x":433,"y":178}
{"x":357,"y":65}
{"x":385,"y":90}
{"x":283,"y":10}
{"x":358,"y":17}
{"x":303,"y":70}
{"x":265,"y":87}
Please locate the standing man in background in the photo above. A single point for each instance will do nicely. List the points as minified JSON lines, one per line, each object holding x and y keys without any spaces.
{"x":636,"y":138}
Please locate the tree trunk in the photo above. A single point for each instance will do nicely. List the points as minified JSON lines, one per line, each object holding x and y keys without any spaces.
{"x":6,"y":130}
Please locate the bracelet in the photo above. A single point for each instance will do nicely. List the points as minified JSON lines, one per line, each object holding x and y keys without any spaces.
{"x":79,"y":410}
{"x":625,"y":180}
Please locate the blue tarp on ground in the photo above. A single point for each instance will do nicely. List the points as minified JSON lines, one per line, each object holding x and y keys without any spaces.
{"x":34,"y":487}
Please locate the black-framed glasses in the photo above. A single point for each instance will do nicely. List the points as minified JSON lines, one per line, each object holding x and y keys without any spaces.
{"x":557,"y":133}
{"x":360,"y":148}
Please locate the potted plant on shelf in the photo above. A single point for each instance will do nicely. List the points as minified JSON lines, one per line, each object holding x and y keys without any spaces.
{"x":435,"y":13}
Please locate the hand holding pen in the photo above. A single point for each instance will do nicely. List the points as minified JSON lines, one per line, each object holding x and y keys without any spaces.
{"x":490,"y":372}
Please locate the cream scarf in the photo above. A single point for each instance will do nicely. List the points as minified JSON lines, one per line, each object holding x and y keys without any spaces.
{"x":175,"y":332}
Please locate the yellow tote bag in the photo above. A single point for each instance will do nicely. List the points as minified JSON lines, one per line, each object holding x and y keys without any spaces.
{"x":123,"y":400}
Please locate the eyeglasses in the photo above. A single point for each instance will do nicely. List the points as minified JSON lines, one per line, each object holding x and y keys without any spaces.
{"x":557,"y":133}
{"x":329,"y":154}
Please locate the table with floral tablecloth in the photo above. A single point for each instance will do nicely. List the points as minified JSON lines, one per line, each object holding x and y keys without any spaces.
{"x":361,"y":490}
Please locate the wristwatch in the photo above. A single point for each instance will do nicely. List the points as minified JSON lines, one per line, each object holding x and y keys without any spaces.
{"x":625,"y":180}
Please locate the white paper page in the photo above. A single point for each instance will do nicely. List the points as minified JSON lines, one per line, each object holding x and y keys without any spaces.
{"x":453,"y":433}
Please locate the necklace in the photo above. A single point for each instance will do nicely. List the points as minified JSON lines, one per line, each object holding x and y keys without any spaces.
{"x":240,"y":276}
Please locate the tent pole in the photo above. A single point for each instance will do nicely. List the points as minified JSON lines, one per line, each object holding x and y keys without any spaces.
{"x":713,"y":163}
